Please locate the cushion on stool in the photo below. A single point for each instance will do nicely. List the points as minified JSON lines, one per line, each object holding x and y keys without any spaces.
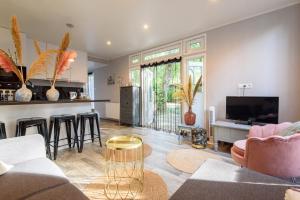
{"x":239,"y":147}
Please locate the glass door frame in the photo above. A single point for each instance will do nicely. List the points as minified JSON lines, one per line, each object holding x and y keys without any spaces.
{"x":184,"y":79}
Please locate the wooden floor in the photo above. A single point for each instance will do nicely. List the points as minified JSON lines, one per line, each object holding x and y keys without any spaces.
{"x":81,"y":167}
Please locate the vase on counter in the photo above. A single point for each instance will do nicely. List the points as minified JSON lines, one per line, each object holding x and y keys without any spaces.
{"x":190,"y":117}
{"x":23,"y":94}
{"x":52,"y":94}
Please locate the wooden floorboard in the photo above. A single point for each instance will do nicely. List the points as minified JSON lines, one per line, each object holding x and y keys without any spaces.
{"x":80,"y":167}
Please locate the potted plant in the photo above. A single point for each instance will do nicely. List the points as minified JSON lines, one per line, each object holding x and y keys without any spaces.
{"x":64,"y":59}
{"x":186,"y":93}
{"x":10,"y":63}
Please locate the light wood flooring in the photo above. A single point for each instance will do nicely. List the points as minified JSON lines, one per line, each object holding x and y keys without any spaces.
{"x":81,"y":167}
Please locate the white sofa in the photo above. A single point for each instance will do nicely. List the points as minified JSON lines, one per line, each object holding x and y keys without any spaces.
{"x":33,"y":175}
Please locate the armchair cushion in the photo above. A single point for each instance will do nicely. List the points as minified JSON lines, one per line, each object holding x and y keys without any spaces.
{"x":268,"y":130}
{"x":291,"y":130}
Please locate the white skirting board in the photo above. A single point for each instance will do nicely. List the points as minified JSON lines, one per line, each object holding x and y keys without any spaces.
{"x":112,"y":110}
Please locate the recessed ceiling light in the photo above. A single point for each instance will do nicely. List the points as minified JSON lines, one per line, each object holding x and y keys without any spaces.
{"x":146,"y":26}
{"x":108,"y":43}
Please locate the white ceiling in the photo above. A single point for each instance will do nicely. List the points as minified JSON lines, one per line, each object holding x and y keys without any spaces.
{"x":121,"y":21}
{"x":92,"y":65}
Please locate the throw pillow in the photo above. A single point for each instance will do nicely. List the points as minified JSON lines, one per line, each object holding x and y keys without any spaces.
{"x":292,"y":194}
{"x":291,"y":130}
{"x":4,"y":167}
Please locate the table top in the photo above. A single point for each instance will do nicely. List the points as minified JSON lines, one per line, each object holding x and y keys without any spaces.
{"x":231,"y":125}
{"x":124,"y":142}
{"x":7,"y":103}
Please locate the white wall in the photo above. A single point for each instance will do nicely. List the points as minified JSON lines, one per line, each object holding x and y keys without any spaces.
{"x":264,"y":50}
{"x":116,"y":68}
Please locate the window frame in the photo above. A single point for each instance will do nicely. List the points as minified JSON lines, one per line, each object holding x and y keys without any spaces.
{"x":187,"y":44}
{"x":169,"y":47}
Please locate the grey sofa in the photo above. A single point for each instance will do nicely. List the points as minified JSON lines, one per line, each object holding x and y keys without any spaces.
{"x":33,"y":176}
{"x":219,"y":180}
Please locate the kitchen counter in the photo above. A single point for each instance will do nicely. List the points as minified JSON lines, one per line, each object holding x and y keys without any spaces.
{"x":6,"y":103}
{"x":11,"y":111}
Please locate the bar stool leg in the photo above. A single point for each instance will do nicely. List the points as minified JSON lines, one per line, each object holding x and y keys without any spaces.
{"x":56,"y":137}
{"x":50,"y":129}
{"x":77,"y":126}
{"x":75,"y":135}
{"x":98,"y":129}
{"x":22,"y":129}
{"x":91,"y":122}
{"x":3,"y":132}
{"x":17,"y":130}
{"x":47,"y":139}
{"x":68,"y":130}
{"x":82,"y":132}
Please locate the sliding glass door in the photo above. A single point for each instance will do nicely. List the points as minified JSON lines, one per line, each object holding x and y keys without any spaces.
{"x":160,"y":110}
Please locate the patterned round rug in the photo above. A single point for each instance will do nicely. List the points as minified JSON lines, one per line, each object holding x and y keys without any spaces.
{"x":154,"y":188}
{"x":189,"y":160}
{"x":130,"y":155}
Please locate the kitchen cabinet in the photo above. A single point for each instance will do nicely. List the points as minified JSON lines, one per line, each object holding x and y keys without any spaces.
{"x":79,"y":69}
{"x":78,"y":72}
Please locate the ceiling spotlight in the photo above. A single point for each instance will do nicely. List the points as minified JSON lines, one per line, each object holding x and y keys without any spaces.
{"x":146,"y":26}
{"x":108,"y":43}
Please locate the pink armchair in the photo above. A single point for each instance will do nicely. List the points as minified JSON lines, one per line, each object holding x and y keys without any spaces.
{"x":266,"y":152}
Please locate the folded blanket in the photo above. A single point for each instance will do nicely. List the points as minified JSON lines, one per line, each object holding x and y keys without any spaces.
{"x":291,"y":130}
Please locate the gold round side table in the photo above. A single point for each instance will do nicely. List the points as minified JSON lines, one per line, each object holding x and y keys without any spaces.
{"x":124,"y":167}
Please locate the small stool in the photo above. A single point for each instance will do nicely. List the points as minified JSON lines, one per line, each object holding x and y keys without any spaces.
{"x":2,"y":131}
{"x":81,"y":119}
{"x":40,"y":123}
{"x":124,"y":167}
{"x":56,"y":120}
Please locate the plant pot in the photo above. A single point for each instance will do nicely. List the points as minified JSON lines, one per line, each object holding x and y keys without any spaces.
{"x":52,"y":94}
{"x":190,"y":117}
{"x":23,"y":94}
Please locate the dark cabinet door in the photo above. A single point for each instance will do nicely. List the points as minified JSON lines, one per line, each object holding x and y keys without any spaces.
{"x":130,"y":105}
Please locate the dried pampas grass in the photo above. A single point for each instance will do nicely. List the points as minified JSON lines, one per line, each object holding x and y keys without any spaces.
{"x":37,"y":47}
{"x":185,"y":93}
{"x":8,"y":65}
{"x":16,"y":36}
{"x":38,"y":66}
{"x":63,"y":47}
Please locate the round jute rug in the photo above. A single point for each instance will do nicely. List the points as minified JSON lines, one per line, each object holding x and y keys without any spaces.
{"x":130,"y":155}
{"x":189,"y":160}
{"x":154,"y":188}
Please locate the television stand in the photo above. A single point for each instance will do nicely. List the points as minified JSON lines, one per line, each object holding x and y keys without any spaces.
{"x":243,"y":122}
{"x":228,"y":132}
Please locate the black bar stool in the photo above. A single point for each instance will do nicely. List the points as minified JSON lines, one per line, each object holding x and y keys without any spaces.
{"x":56,"y":120}
{"x":81,"y":119}
{"x":2,"y":131}
{"x":40,"y":123}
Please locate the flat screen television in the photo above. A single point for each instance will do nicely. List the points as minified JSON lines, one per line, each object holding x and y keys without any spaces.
{"x":251,"y":110}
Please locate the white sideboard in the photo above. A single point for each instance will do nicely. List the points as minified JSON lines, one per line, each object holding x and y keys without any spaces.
{"x":228,"y":132}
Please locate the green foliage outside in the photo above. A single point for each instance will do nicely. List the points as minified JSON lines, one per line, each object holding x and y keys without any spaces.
{"x":165,"y":78}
